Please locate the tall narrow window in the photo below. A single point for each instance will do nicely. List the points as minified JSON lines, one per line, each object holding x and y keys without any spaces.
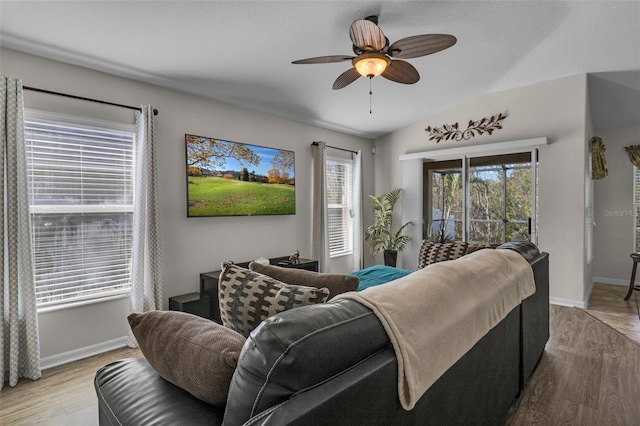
{"x":443,"y":209}
{"x":81,"y":202}
{"x":636,"y":208}
{"x":340,"y":205}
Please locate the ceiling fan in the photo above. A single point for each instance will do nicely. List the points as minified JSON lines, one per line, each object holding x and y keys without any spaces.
{"x":374,"y":55}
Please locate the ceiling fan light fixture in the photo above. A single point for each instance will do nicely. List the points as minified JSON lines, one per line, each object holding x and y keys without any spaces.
{"x":371,"y":64}
{"x":374,"y":53}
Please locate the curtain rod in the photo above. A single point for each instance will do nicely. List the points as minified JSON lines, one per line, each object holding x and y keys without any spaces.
{"x":49,"y":92}
{"x":335,"y":147}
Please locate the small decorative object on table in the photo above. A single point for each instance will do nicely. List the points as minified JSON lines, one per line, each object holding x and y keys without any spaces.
{"x":262,"y":260}
{"x":295,"y":258}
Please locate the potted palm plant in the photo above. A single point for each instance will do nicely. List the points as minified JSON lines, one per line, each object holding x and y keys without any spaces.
{"x":380,"y":235}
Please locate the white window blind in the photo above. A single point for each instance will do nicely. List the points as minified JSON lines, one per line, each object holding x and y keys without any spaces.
{"x":81,"y":202}
{"x":340,"y":205}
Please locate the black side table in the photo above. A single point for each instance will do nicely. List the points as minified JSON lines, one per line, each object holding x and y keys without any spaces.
{"x":191,"y":303}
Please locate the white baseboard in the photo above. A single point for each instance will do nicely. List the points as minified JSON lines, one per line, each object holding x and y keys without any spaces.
{"x":567,"y":302}
{"x":585,"y":303}
{"x":588,"y":295}
{"x":80,"y":353}
{"x":612,"y":281}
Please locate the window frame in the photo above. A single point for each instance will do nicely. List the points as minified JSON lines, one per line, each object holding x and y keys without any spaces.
{"x":348,"y":207}
{"x":31,"y":114}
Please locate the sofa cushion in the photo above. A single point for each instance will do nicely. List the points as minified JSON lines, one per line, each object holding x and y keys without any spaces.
{"x":335,"y":283}
{"x":439,"y":252}
{"x":247,"y":297}
{"x":299,"y":349}
{"x":191,"y":352}
{"x":131,"y":392}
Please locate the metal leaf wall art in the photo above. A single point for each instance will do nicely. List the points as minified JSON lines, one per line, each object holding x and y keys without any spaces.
{"x":452,"y":131}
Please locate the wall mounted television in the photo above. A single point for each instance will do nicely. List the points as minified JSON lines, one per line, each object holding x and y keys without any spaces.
{"x":226,"y":178}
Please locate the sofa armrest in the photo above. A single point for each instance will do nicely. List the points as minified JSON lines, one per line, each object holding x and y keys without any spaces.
{"x":527,"y":249}
{"x":131,"y":392}
{"x":535,"y":318}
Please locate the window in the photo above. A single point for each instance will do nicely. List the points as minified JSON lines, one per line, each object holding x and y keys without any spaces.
{"x":636,"y":208}
{"x":500,"y":199}
{"x":80,"y":182}
{"x":444,"y":200}
{"x":340,"y":204}
{"x":485,"y":200}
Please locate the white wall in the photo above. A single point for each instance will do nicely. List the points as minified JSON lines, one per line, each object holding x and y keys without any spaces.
{"x":553,"y":109}
{"x":190,"y":245}
{"x":588,"y":188}
{"x":614,"y":215}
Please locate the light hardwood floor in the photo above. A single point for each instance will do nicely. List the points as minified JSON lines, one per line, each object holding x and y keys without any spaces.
{"x":64,"y":396}
{"x":607,"y":304}
{"x":588,"y":375}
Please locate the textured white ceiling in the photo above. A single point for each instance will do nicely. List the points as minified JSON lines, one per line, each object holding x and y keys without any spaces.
{"x":240,"y":52}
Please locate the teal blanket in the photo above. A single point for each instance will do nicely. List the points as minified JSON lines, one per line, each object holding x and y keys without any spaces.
{"x":378,"y":274}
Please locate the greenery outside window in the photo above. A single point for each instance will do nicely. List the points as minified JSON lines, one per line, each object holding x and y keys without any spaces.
{"x":80,"y":183}
{"x":340,"y":206}
{"x":482,"y":200}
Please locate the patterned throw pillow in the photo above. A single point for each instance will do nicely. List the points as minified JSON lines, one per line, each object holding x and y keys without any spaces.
{"x":439,"y":252}
{"x":247,"y":297}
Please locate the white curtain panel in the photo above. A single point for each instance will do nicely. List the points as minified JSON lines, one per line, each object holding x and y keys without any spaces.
{"x":358,"y":220}
{"x":19,"y":341}
{"x":146,"y":271}
{"x":320,"y":237}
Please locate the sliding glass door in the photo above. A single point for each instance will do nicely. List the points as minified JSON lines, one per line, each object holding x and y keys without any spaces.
{"x":500,"y":198}
{"x":483,"y":200}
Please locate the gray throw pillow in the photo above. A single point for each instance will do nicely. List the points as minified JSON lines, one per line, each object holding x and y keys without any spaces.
{"x":247,"y":297}
{"x":194,"y":353}
{"x":336,"y":283}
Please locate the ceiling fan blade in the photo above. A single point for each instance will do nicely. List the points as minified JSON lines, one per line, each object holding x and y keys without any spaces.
{"x":324,"y":59}
{"x":420,"y":45}
{"x":367,"y":35}
{"x":346,"y":78}
{"x":401,"y":72}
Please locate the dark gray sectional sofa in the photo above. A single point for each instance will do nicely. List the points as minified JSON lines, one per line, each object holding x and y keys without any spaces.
{"x":333,"y":364}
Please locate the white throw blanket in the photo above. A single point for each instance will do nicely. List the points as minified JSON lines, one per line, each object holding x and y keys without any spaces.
{"x":436,"y":314}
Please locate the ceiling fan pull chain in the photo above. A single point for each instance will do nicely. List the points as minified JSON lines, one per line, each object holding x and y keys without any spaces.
{"x":370,"y":94}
